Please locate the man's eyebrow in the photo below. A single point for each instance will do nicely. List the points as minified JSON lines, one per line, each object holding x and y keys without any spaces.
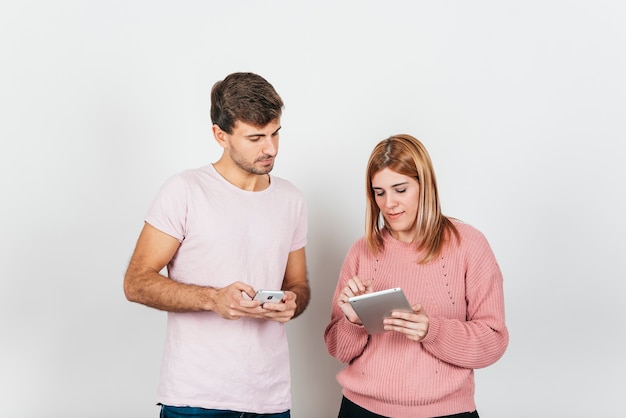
{"x":262,"y":134}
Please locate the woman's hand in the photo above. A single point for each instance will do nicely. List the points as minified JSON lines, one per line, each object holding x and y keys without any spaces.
{"x":354,"y":287}
{"x":414,"y":325}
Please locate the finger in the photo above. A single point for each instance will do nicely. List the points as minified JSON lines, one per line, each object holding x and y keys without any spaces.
{"x":275,"y":306}
{"x":289,"y":296}
{"x":244,"y":287}
{"x":248,"y":303}
{"x":406,"y":316}
{"x":357,"y":285}
{"x":410,"y":330}
{"x":349,"y":290}
{"x":351,"y":287}
{"x":400,"y":323}
{"x":360,"y":286}
{"x":417,"y":308}
{"x":278,"y":315}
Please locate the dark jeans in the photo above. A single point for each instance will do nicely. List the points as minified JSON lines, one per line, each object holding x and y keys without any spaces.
{"x":351,"y":410}
{"x":193,"y":412}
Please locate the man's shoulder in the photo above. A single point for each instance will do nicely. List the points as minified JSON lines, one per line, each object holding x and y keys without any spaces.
{"x":191,"y":175}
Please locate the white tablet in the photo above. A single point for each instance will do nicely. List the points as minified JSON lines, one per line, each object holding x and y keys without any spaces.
{"x":373,"y":307}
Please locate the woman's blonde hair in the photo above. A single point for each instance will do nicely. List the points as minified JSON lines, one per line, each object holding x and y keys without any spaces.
{"x":406,"y":155}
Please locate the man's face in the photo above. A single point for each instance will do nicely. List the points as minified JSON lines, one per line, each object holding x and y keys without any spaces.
{"x":252,"y":148}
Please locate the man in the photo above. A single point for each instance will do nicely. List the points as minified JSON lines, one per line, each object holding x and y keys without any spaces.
{"x":225,"y":231}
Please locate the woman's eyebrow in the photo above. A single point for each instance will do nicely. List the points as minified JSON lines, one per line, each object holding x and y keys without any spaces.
{"x":393,"y":185}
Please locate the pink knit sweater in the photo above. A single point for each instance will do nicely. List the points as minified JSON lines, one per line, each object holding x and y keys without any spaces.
{"x":462,"y":294}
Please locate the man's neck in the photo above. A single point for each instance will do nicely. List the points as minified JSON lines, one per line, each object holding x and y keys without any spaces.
{"x":240,"y":178}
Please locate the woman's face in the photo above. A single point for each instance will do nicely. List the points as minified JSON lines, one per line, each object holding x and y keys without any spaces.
{"x":397,"y":197}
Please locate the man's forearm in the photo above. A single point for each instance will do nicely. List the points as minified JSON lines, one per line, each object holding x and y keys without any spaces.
{"x":160,"y":292}
{"x":303,"y":296}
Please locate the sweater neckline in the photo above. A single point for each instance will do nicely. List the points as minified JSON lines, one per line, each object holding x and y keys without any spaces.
{"x":389,"y":240}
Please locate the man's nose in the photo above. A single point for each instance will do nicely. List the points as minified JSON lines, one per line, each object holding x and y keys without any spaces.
{"x":270,"y":146}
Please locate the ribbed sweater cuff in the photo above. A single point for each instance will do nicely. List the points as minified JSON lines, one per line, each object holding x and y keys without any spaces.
{"x":353,"y":329}
{"x":433,"y":331}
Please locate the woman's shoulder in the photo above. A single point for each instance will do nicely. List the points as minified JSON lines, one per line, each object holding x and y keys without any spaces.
{"x":467,"y":232}
{"x":359,"y":245}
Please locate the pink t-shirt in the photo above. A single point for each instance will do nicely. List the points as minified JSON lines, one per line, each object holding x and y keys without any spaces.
{"x":227,"y":235}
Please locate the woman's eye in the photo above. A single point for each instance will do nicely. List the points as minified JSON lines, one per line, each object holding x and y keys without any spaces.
{"x":400,"y":190}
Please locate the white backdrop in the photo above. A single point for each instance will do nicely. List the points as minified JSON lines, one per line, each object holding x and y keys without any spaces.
{"x":521,"y":104}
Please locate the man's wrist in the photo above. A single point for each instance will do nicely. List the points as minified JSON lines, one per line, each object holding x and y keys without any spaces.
{"x":208,"y":301}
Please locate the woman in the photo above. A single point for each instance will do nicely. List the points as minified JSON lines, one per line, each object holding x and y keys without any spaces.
{"x":422,"y":366}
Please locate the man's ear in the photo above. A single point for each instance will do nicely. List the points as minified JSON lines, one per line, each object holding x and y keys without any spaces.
{"x":220,"y":136}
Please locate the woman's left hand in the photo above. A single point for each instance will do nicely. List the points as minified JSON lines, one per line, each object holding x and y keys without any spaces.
{"x":414,"y":325}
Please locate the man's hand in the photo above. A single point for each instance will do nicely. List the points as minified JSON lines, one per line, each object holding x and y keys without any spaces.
{"x":230,"y":303}
{"x":281,"y":311}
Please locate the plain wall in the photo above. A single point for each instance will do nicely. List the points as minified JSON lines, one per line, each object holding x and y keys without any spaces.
{"x":522,"y":106}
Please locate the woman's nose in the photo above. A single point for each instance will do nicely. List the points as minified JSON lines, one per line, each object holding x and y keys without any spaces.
{"x":390,"y":202}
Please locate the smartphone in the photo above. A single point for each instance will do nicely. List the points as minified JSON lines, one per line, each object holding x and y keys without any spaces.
{"x":274,"y":296}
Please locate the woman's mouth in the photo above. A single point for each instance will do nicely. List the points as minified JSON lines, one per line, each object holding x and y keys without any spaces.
{"x":394,"y":215}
